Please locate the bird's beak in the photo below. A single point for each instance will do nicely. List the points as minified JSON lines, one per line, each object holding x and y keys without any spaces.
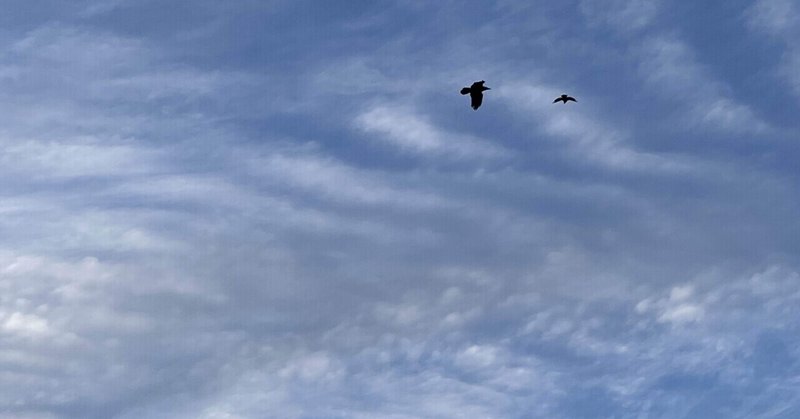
{"x":488,"y":88}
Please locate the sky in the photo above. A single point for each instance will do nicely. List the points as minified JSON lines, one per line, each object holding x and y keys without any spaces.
{"x":285,"y":209}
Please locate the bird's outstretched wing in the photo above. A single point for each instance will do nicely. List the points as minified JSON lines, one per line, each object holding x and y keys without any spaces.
{"x":557,"y":99}
{"x":570,"y":98}
{"x":477,"y":99}
{"x":465,"y":91}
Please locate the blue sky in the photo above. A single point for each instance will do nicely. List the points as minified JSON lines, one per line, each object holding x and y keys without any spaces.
{"x":284,"y":209}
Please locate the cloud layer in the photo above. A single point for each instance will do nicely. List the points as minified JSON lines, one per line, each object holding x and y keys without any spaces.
{"x":285,"y":209}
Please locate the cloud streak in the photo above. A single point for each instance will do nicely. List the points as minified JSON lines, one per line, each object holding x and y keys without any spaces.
{"x":275,"y":210}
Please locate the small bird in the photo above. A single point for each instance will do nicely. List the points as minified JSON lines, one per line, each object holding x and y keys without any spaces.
{"x":565,"y":98}
{"x":475,"y":92}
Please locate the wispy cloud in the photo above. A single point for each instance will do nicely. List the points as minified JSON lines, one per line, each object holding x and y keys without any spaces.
{"x":669,"y":67}
{"x":780,"y":20}
{"x":587,"y":136}
{"x":273,"y":210}
{"x":412,"y":133}
{"x":625,"y":16}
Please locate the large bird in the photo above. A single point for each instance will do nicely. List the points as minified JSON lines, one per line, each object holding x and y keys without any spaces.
{"x":565,"y":99}
{"x":475,"y":93}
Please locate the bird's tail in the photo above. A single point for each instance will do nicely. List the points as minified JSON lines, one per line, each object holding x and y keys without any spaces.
{"x":465,"y":91}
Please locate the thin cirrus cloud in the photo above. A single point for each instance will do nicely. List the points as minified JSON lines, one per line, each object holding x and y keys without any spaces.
{"x":625,"y":16}
{"x":668,"y":67}
{"x":334,"y":180}
{"x":277,"y":210}
{"x":586,"y":136}
{"x":781,"y":21}
{"x":412,"y":133}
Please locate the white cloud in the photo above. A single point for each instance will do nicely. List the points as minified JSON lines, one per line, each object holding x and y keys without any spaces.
{"x":70,"y":46}
{"x":51,"y":160}
{"x":413,"y":133}
{"x":677,"y":309}
{"x":25,"y":324}
{"x":681,"y":313}
{"x":402,"y":315}
{"x":777,"y":17}
{"x":477,"y":357}
{"x":166,"y":257}
{"x":623,"y":15}
{"x":353,"y":77}
{"x":780,"y":19}
{"x":313,"y":368}
{"x":334,"y":180}
{"x":101,"y":7}
{"x":587,"y":136}
{"x":681,"y":293}
{"x":669,"y":68}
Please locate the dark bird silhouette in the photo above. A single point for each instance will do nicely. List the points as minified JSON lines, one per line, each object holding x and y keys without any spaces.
{"x":565,"y":99}
{"x":475,"y":93}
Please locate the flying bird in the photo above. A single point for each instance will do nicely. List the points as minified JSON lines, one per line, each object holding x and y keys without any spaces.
{"x":475,"y":93}
{"x":565,"y":99}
